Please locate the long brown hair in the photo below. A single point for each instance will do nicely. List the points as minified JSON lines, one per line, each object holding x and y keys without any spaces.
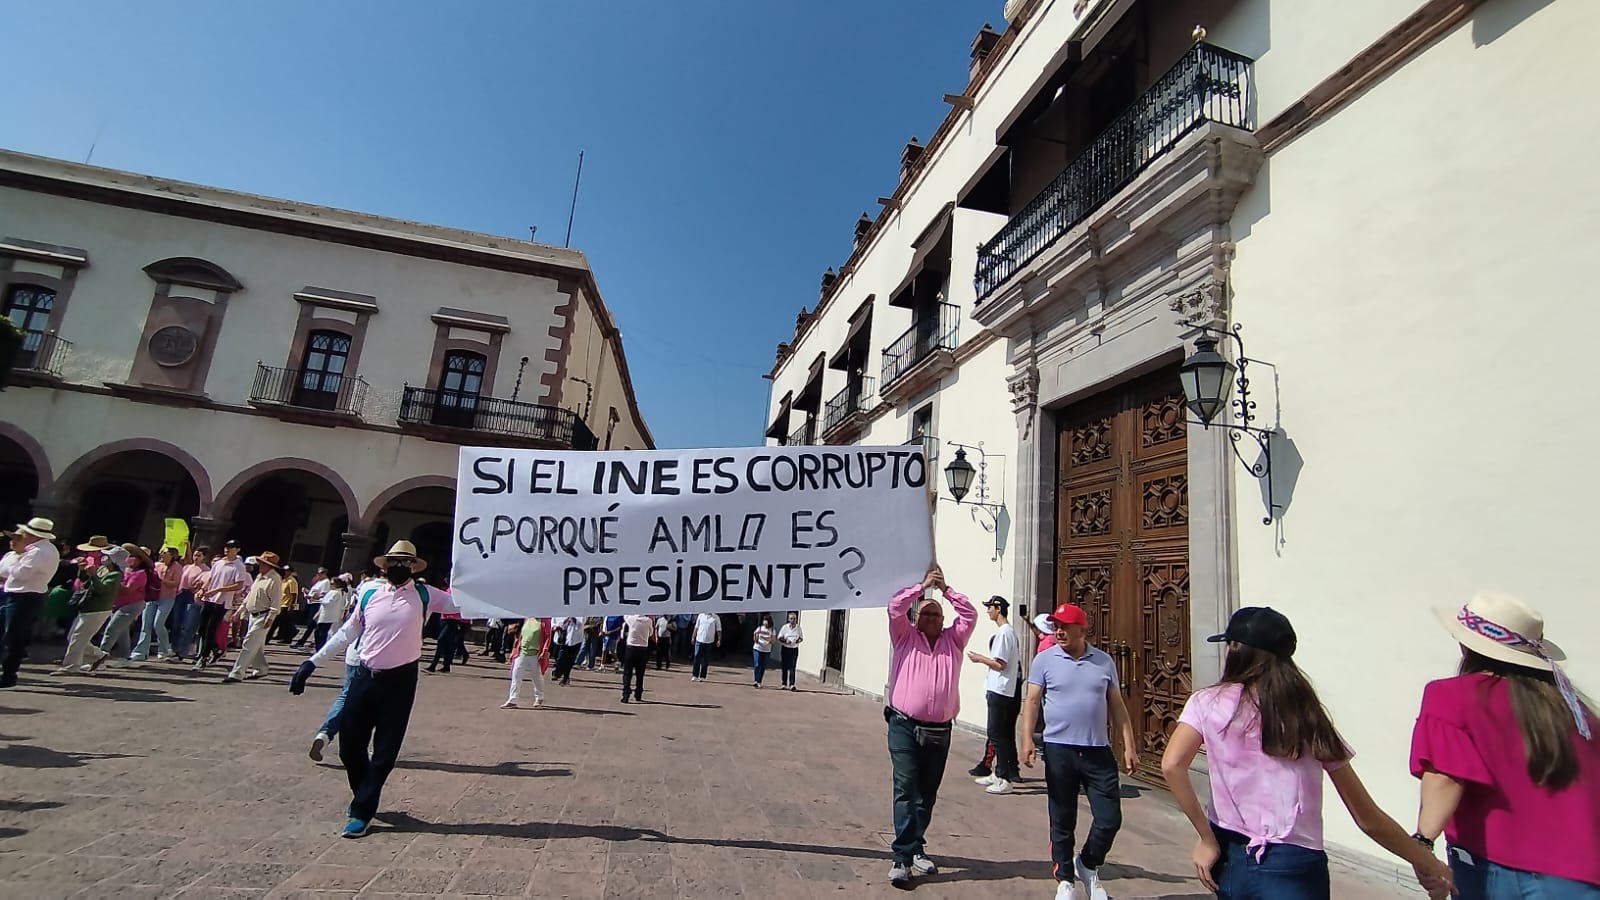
{"x":1293,"y":720}
{"x":1542,"y":716}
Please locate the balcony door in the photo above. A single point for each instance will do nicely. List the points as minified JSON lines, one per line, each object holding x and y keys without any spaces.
{"x":460,"y":385}
{"x":28,"y":307}
{"x":322,"y":370}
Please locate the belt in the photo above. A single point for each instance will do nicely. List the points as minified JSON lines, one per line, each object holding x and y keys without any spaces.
{"x":383,"y":673}
{"x":917,"y":722}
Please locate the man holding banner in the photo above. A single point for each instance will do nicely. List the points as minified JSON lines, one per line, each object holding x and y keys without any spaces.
{"x":920,"y":705}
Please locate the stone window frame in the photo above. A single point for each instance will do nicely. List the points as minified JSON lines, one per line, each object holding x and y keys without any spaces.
{"x":494,"y":328}
{"x":312,"y":299}
{"x":71,"y":260}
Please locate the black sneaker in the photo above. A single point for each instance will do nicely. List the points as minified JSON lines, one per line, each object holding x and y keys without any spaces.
{"x":980,"y":771}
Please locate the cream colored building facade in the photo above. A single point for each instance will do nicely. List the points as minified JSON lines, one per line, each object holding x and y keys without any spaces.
{"x":1390,"y":201}
{"x":298,"y":377}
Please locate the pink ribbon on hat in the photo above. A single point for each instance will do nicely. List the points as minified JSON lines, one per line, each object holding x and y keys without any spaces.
{"x":1501,"y":635}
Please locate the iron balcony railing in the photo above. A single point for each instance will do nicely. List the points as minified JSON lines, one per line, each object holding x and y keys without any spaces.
{"x":492,"y":415}
{"x":1209,"y":84}
{"x":853,"y":398}
{"x":309,"y":389}
{"x":934,"y":329}
{"x":42,"y":353}
{"x":805,"y":435}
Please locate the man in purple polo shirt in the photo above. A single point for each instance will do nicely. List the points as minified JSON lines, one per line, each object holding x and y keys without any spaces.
{"x":922,"y":700}
{"x":1079,"y":686}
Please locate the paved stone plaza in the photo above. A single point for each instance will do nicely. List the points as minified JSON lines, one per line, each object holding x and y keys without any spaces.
{"x":154,"y":782}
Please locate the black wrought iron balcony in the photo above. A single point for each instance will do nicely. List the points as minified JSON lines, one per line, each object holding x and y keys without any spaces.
{"x":1209,"y":84}
{"x":853,"y":398}
{"x":931,"y":332}
{"x":805,"y":435}
{"x":41,"y":353}
{"x":550,"y":425}
{"x":309,"y":389}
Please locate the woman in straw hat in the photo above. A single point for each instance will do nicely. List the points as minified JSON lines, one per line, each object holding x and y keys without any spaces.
{"x":1509,"y":759}
{"x":128,"y":609}
{"x":99,"y":587}
{"x":1268,"y":741}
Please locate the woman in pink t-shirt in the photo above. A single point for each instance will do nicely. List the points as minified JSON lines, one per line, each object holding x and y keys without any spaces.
{"x":1509,"y":760}
{"x":1268,"y":741}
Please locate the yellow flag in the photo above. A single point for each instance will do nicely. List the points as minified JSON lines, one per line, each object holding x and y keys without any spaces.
{"x":177,"y":536}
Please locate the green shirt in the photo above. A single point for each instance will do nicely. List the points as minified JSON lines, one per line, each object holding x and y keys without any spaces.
{"x":102,"y":586}
{"x":530,"y":637}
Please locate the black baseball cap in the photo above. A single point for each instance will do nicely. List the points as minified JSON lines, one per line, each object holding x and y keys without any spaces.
{"x":233,"y":544}
{"x":1260,"y":627}
{"x":999,"y":603}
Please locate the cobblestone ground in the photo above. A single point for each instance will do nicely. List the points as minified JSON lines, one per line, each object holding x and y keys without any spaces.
{"x":155,"y":782}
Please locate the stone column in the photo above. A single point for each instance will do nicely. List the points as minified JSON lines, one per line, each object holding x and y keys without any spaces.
{"x":358,"y":553}
{"x":1024,"y":386}
{"x":205,"y":531}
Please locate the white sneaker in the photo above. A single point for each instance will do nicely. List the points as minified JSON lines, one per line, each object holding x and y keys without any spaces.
{"x":921,"y":865}
{"x":900,"y":875}
{"x":538,"y":702}
{"x":1064,"y":891}
{"x":509,"y":704}
{"x":317,"y":743}
{"x":985,"y":780}
{"x":1091,"y":881}
{"x":1001,"y":786}
{"x":64,"y":670}
{"x":117,"y":664}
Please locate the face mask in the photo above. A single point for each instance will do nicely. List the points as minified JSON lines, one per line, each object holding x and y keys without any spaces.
{"x":398,"y":574}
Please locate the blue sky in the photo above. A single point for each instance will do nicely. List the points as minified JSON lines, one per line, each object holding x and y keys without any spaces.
{"x":730,"y":146}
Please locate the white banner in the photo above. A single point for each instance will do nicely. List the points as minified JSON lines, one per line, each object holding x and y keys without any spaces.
{"x":753,"y":529}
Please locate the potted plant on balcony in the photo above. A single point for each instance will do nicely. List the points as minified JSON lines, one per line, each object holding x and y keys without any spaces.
{"x":10,"y":345}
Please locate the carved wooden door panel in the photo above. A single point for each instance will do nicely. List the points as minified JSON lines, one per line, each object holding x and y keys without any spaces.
{"x":1122,"y":545}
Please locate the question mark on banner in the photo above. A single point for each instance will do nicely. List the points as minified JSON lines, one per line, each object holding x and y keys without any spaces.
{"x":461,"y":536}
{"x":861,"y":563}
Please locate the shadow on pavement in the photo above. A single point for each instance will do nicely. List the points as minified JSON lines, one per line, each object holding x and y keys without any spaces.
{"x":681,"y":705}
{"x":25,"y":756}
{"x":18,"y":711}
{"x":585,"y":712}
{"x":1109,"y":870}
{"x":129,"y":694}
{"x":513,"y":769}
{"x":12,"y":832}
{"x":27,"y":805}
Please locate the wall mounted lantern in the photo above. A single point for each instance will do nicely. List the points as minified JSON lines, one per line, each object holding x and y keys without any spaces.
{"x":1208,"y":380}
{"x":961,"y":477}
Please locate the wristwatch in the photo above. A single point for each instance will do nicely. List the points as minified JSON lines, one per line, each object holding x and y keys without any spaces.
{"x":1426,"y":842}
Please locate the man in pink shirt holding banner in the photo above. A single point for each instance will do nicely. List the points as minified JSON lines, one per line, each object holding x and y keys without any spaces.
{"x":921,"y":703}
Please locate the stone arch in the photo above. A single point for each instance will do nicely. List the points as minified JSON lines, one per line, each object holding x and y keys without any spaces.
{"x":238,"y":484}
{"x":84,"y":464}
{"x":35,"y":452}
{"x":369,"y":519}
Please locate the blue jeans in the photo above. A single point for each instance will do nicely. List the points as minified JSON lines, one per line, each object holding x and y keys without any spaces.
{"x":1480,"y":879}
{"x":155,"y":621}
{"x":758,"y":659}
{"x":187,"y":611}
{"x":330,"y":725}
{"x":702,"y":660}
{"x":588,"y":649}
{"x":116,"y":638}
{"x":1284,"y":872}
{"x":918,"y":771}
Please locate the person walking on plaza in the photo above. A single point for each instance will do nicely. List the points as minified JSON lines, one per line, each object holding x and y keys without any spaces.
{"x":611,"y":642}
{"x":98,"y":589}
{"x":261,"y":606}
{"x":789,"y":638}
{"x":321,"y":584}
{"x":531,"y":655}
{"x":286,"y":624}
{"x":128,"y":609}
{"x":683,"y":637}
{"x":26,"y":582}
{"x":1268,"y":740}
{"x":663,"y":643}
{"x":186,"y":611}
{"x":335,"y":601}
{"x":169,"y":573}
{"x":386,"y":625}
{"x":569,"y":631}
{"x":761,"y":647}
{"x":1509,"y":756}
{"x":335,"y":717}
{"x":226,"y":581}
{"x":445,"y":646}
{"x":1078,"y":686}
{"x":922,"y":700}
{"x":1002,"y":686}
{"x":707,"y":635}
{"x":637,"y":633}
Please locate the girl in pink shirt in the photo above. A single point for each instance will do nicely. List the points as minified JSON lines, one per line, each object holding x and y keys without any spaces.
{"x":1509,"y":756}
{"x":1268,"y":741}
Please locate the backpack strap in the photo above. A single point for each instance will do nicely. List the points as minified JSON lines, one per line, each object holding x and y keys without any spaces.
{"x":367,"y":595}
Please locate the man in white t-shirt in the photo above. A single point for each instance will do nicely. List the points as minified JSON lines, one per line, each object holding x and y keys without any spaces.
{"x":1002,"y":688}
{"x":707,"y":634}
{"x":663,"y":642}
{"x":637,"y":633}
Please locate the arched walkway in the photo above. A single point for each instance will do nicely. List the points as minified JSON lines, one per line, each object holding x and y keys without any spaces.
{"x":32,"y":449}
{"x":419,"y":510}
{"x":295,"y":507}
{"x":127,"y":489}
{"x":370,"y":518}
{"x":70,"y":483}
{"x":228,"y":497}
{"x":24,"y":473}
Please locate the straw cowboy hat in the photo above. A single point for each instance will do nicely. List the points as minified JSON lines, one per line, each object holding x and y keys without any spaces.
{"x":404,"y":551}
{"x":137,"y":552}
{"x":39,"y":528}
{"x":97,"y":543}
{"x":269,"y":559}
{"x":1501,"y":627}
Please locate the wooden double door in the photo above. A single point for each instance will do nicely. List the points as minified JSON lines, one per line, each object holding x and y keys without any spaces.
{"x":1122,"y":545}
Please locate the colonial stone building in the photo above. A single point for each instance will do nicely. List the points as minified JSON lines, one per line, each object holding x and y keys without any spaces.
{"x":294,"y":376}
{"x":1114,"y":183}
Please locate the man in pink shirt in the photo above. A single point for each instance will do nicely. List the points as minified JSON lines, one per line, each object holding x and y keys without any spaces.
{"x":922,"y":701}
{"x":386,"y":626}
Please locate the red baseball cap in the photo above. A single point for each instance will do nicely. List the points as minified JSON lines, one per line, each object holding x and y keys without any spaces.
{"x":1067,"y":614}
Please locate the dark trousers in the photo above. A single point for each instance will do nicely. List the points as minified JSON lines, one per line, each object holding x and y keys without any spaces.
{"x":1003,"y":713}
{"x":683,"y":643}
{"x":788,"y":658}
{"x":633,"y":666}
{"x":308,"y":623}
{"x":286,"y":626}
{"x":377,"y":710}
{"x":566,"y":658}
{"x":1066,"y":767}
{"x":663,"y":654}
{"x":319,"y":635}
{"x":444,"y":650}
{"x":918,"y":772}
{"x":702,"y":660}
{"x":180,"y":612}
{"x":1283,"y":872}
{"x":21,"y":612}
{"x":210,"y":618}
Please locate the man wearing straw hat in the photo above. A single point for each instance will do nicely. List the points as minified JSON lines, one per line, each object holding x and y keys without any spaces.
{"x":386,"y":626}
{"x":259,"y":607}
{"x":26,"y":582}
